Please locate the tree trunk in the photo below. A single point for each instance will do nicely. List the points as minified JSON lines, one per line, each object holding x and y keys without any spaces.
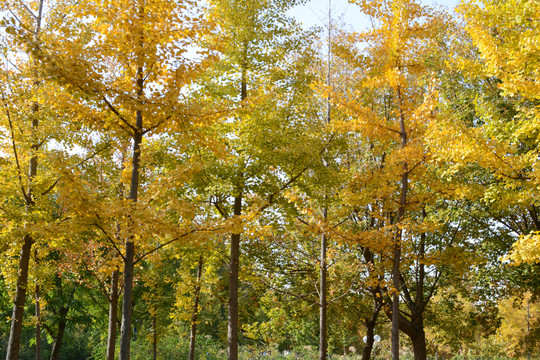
{"x":14,"y":341}
{"x":234,"y":263}
{"x":323,"y":304}
{"x":396,"y":280}
{"x":38,"y":323}
{"x":234,"y":268}
{"x":154,"y":333}
{"x":113,"y":316}
{"x":368,"y":347}
{"x":55,"y":353}
{"x":125,"y":336}
{"x":193,"y":333}
{"x":419,"y":346}
{"x":370,"y":331}
{"x":395,"y":299}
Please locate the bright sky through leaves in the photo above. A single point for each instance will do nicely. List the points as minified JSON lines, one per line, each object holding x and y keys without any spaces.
{"x":315,"y":12}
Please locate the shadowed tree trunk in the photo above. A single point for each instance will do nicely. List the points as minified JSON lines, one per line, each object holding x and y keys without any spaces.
{"x":154,"y":333}
{"x":125,"y":336}
{"x":323,"y":303}
{"x":14,"y":341}
{"x":38,"y":323}
{"x":37,"y":309}
{"x":370,"y":331}
{"x":396,"y":281}
{"x":234,"y":268}
{"x":113,"y":316}
{"x":193,"y":333}
{"x":234,"y":263}
{"x":62,"y":316}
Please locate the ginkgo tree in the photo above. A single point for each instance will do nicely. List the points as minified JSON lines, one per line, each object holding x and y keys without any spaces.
{"x":125,"y":67}
{"x":29,"y":122}
{"x":391,"y":107}
{"x":262,"y":77}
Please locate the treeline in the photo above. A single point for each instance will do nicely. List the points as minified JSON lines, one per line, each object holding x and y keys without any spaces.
{"x":205,"y":180}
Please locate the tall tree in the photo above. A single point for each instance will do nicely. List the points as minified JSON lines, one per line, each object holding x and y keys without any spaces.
{"x":395,"y":68}
{"x":30,"y":126}
{"x":126,"y":70}
{"x":260,"y":76}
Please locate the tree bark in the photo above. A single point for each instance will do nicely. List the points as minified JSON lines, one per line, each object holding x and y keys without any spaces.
{"x":396,"y":277}
{"x":323,"y":303}
{"x":234,"y":269}
{"x":154,"y":333}
{"x":234,"y":263}
{"x":55,"y":353}
{"x":38,"y":323}
{"x":125,"y":336}
{"x":370,"y":331}
{"x":193,"y":333}
{"x":419,"y":346}
{"x":113,"y":316}
{"x":14,"y":342}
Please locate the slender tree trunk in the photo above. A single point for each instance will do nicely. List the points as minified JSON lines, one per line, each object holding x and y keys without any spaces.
{"x":113,"y":316}
{"x":193,"y":333}
{"x":234,"y":269}
{"x":154,"y":333}
{"x":125,"y":336}
{"x":234,"y":263}
{"x":38,"y":323}
{"x":55,"y":353}
{"x":14,"y":341}
{"x":396,"y":281}
{"x":323,"y":304}
{"x":395,"y":300}
{"x":370,"y":331}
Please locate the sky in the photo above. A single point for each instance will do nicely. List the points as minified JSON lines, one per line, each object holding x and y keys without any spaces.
{"x":315,"y":12}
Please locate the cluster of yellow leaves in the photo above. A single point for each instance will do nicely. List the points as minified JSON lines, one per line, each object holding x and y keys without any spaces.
{"x":526,"y":249}
{"x":507,"y":35}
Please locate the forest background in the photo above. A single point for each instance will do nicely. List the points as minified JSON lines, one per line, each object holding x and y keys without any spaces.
{"x":209,"y":179}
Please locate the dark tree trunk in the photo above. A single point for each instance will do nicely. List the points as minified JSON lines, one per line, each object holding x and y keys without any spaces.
{"x":125,"y":331}
{"x":113,"y":316}
{"x":323,"y":303}
{"x":395,"y":300}
{"x":62,"y":315}
{"x":154,"y":333}
{"x":370,"y":331}
{"x":234,"y":268}
{"x":125,"y":338}
{"x":419,"y":346}
{"x":14,"y":342}
{"x":396,"y":276}
{"x":38,"y":323}
{"x":414,"y":329}
{"x":368,"y":347}
{"x":234,"y":263}
{"x":193,"y":333}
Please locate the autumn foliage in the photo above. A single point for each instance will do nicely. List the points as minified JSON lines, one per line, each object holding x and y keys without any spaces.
{"x":207,"y":179}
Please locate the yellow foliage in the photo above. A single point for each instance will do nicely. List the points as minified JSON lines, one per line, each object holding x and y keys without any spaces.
{"x":526,"y":249}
